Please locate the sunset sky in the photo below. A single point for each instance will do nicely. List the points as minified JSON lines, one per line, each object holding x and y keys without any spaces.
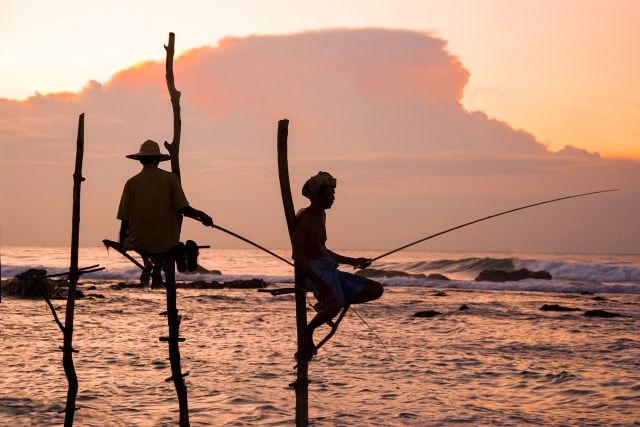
{"x":430,"y":114}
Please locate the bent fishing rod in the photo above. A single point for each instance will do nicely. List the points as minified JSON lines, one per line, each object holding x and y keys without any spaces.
{"x":484,"y":219}
{"x":251,"y":243}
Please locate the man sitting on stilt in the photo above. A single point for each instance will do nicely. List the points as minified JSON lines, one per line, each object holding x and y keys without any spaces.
{"x":334,"y":289}
{"x":151,"y":210}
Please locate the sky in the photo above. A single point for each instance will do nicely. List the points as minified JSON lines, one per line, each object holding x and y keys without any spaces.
{"x":429,"y":113}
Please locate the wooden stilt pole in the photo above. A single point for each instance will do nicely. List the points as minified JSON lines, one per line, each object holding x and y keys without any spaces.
{"x":67,"y":348}
{"x":174,"y":341}
{"x":303,"y":355}
{"x":173,"y":317}
{"x":174,"y":146}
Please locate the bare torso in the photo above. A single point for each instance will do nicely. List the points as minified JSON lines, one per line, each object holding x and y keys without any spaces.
{"x":313,"y":234}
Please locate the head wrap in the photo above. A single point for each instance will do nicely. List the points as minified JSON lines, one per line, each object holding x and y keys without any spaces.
{"x":317,"y":183}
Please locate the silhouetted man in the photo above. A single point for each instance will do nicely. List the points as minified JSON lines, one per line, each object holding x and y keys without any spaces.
{"x":333,"y":288}
{"x":152,"y":206}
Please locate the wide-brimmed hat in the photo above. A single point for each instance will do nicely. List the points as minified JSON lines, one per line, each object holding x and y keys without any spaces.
{"x":149,"y":148}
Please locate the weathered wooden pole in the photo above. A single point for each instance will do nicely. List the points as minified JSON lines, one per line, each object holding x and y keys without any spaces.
{"x":174,"y":146}
{"x":301,"y":384}
{"x":174,"y":342}
{"x":173,"y":318}
{"x":67,"y":348}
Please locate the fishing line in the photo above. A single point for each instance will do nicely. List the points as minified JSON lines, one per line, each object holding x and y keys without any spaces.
{"x":288,"y":262}
{"x":377,"y":337}
{"x":484,"y":219}
{"x":309,"y":304}
{"x":451,"y":401}
{"x":291,"y":264}
{"x":416,"y":242}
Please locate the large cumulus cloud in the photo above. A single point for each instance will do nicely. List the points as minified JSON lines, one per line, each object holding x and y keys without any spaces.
{"x":378,"y":108}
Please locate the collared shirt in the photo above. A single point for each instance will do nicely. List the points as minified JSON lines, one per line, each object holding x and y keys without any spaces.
{"x":150,"y":202}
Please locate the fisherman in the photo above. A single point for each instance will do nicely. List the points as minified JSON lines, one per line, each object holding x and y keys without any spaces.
{"x":151,"y":210}
{"x":334,"y":289}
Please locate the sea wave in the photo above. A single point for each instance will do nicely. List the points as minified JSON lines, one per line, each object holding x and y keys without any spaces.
{"x":559,"y":269}
{"x":581,"y":271}
{"x":531,"y":285}
{"x":570,"y":272}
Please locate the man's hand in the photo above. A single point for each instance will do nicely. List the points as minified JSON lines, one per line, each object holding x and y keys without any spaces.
{"x":206,"y":220}
{"x":196,"y":214}
{"x":361,"y":263}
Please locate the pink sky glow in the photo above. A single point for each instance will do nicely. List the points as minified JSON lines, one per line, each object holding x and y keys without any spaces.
{"x":380,"y":109}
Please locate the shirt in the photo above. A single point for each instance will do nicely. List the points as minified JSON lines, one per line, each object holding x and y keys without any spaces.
{"x":150,"y":202}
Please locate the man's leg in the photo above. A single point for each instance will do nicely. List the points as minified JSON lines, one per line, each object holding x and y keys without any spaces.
{"x":371,"y":291}
{"x":326,"y":312}
{"x":146,"y":273}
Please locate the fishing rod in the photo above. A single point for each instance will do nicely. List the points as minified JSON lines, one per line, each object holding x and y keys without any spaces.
{"x":251,"y":243}
{"x":484,"y":219}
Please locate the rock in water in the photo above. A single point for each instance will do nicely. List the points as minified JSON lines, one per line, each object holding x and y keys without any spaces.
{"x":507,"y":276}
{"x":601,"y":313}
{"x":427,"y":313}
{"x":29,"y":284}
{"x":556,"y":307}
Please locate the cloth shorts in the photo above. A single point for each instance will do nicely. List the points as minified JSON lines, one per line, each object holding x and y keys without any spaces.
{"x":344,"y":286}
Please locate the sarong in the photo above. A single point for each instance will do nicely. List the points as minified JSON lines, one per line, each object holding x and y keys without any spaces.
{"x":344,"y":286}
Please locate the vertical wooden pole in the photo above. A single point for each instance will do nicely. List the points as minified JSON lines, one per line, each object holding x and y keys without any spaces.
{"x":302,"y":378}
{"x":173,"y":318}
{"x":67,"y":348}
{"x":174,"y":342}
{"x":174,"y":146}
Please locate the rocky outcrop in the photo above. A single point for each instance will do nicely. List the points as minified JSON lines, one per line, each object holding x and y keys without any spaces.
{"x":373,"y":273}
{"x":34,"y":284}
{"x":201,"y":270}
{"x":203,"y":284}
{"x":507,"y":276}
{"x":601,"y":313}
{"x":232,"y":284}
{"x":29,"y":284}
{"x":436,"y":276}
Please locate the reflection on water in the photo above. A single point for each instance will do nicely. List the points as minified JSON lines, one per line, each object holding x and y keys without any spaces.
{"x":501,"y":362}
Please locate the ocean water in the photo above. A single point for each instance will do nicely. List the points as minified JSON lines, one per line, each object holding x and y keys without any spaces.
{"x":501,"y":362}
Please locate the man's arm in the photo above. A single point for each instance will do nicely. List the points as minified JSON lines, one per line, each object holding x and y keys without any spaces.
{"x":356,"y":262}
{"x":196,"y":214}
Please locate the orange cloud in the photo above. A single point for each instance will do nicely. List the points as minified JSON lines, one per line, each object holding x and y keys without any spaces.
{"x":378,"y":108}
{"x":148,"y":74}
